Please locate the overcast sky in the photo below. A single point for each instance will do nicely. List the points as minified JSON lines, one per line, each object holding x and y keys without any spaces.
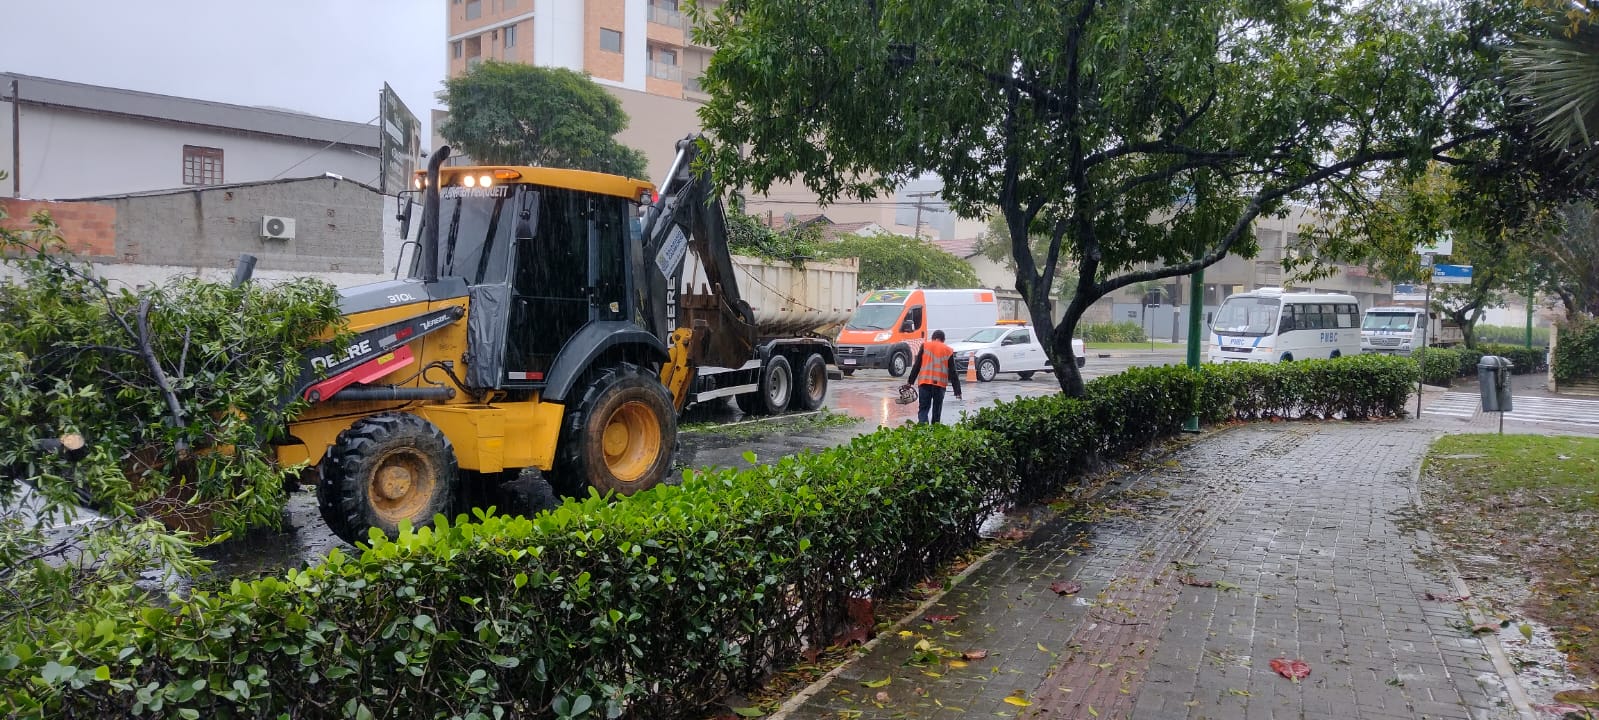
{"x":324,"y":57}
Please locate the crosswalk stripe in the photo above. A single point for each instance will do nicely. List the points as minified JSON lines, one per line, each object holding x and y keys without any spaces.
{"x":1566,"y":411}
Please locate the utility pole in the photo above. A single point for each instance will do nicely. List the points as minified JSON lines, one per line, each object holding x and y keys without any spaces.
{"x":919,"y":197}
{"x":16,"y":140}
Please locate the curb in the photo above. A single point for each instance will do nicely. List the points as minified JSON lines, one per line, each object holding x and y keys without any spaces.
{"x":1496,"y":652}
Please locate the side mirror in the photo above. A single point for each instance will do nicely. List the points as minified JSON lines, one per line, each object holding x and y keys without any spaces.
{"x":526,"y":214}
{"x":405,"y":218}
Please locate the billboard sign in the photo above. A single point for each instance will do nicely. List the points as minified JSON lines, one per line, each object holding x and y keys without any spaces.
{"x":400,"y":142}
{"x":1451,"y":274}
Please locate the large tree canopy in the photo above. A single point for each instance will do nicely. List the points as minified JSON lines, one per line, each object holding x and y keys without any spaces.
{"x":1142,"y":138}
{"x":516,"y":114}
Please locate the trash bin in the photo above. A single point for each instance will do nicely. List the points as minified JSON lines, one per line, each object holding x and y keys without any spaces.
{"x":1493,"y":379}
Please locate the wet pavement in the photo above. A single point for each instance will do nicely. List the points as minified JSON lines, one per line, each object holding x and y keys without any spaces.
{"x":1265,"y":541}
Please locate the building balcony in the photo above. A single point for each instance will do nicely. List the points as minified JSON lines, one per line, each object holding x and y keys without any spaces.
{"x":667,"y":17}
{"x":663,"y":71}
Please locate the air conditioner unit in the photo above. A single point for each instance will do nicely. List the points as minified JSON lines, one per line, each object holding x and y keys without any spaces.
{"x":277,"y":228}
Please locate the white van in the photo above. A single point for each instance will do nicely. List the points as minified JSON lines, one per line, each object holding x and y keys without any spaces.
{"x":890,"y":325}
{"x":1398,"y":331}
{"x":1270,"y":325}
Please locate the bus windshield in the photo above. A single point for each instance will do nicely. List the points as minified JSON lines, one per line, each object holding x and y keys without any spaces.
{"x":1399,"y":322}
{"x":874,"y":317}
{"x":1246,"y":316}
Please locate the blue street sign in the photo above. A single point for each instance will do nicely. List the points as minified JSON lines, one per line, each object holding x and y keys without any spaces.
{"x":1451,"y":274}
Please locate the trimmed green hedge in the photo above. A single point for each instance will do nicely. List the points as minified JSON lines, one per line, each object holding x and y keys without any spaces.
{"x":1117,"y":332}
{"x":652,"y":607}
{"x":1440,"y":366}
{"x":1576,"y":355}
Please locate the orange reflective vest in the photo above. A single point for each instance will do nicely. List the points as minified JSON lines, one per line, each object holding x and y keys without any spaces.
{"x":935,"y":364}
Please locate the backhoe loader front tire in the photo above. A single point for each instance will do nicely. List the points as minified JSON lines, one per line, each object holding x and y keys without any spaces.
{"x":620,"y":437}
{"x":385,"y":469}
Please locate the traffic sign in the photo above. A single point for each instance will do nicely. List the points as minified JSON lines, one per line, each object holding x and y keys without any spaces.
{"x":1451,"y":274}
{"x":1441,"y":246}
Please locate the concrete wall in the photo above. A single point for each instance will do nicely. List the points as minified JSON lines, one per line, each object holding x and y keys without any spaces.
{"x":69,"y":153}
{"x":344,"y":233}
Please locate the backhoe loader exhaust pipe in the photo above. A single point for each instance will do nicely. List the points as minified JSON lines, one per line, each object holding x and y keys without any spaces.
{"x":430,"y":217}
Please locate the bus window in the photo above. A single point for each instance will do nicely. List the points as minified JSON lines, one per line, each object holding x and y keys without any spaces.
{"x":1290,"y":319}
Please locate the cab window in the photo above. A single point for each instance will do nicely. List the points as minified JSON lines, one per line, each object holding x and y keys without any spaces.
{"x":1019,"y":337}
{"x":913,"y":320}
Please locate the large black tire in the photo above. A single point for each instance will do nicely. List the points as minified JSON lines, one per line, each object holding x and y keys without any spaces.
{"x":620,"y":437}
{"x":777,"y":386}
{"x":1025,"y":375}
{"x":810,"y":389}
{"x":385,"y":469}
{"x":899,"y":363}
{"x":848,"y":372}
{"x":987,"y":369}
{"x":748,"y":403}
{"x":1082,"y":361}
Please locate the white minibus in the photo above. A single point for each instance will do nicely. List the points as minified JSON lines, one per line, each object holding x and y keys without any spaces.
{"x":1270,"y":326}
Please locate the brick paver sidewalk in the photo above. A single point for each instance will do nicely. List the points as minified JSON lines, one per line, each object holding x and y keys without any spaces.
{"x":1302,"y":531}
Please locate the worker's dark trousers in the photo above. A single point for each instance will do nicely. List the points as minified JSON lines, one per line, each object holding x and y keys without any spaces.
{"x":929,"y":396}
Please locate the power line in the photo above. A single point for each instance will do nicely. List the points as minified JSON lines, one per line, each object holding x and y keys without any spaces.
{"x":320,"y":150}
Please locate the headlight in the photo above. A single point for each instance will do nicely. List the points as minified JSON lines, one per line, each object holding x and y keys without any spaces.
{"x":882,"y":337}
{"x":965,"y":353}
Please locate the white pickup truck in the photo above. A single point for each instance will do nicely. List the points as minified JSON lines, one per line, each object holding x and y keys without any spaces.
{"x":1007,"y":348}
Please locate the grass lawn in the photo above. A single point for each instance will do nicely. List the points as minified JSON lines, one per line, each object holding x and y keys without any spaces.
{"x":1159,"y":345}
{"x":1533,"y":501}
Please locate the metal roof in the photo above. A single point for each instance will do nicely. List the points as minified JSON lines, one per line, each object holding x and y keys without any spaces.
{"x":95,"y":98}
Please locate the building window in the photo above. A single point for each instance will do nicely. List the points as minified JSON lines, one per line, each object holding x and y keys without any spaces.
{"x":510,"y":36}
{"x":474,"y":9}
{"x":202,"y":165}
{"x":455,"y":49}
{"x":610,"y":40}
{"x":666,"y":57}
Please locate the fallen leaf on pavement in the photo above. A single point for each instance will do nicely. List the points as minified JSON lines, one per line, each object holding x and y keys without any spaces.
{"x":1066,"y":587}
{"x":974,"y":654}
{"x":1018,"y":702}
{"x":1012,"y":534}
{"x":1295,"y":670}
{"x":877,"y":683}
{"x":881,"y":696}
{"x":1585,"y":696}
{"x":1445,"y":598}
{"x":941,"y":618}
{"x":1485,"y":628}
{"x":1195,"y":582}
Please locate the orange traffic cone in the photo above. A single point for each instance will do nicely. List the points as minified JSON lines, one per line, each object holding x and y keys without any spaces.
{"x":971,"y":369}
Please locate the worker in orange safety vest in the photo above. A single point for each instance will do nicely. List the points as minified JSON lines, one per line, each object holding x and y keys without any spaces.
{"x":935,"y":365}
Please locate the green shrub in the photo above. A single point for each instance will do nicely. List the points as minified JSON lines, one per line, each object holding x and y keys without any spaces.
{"x":1511,"y":335}
{"x":1523,"y":360}
{"x":1439,"y":366}
{"x":1118,"y":332}
{"x":1576,"y":354}
{"x":1469,"y":358}
{"x":656,"y":606}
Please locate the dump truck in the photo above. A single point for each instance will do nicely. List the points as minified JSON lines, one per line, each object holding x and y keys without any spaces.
{"x":791,"y":304}
{"x":546,"y":323}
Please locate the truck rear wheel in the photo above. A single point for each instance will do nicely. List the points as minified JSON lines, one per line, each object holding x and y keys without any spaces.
{"x":620,"y":436}
{"x":776,"y":387}
{"x":811,"y":389}
{"x":382,"y":470}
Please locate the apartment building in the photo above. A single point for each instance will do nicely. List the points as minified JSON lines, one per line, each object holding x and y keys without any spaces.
{"x":643,"y":51}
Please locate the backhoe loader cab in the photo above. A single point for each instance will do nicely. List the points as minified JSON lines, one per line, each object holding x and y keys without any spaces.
{"x":521,"y":338}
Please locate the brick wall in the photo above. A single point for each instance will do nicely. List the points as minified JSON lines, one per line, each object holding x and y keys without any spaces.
{"x":88,"y":228}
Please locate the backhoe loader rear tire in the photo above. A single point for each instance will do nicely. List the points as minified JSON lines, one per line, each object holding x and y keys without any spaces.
{"x":385,"y":469}
{"x":619,"y":438}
